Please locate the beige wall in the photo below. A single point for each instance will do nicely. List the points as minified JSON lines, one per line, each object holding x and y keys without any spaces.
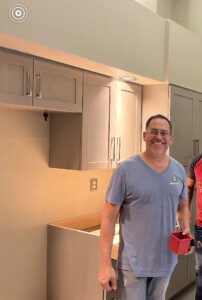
{"x":155,"y":101}
{"x":116,"y":33}
{"x":188,"y":14}
{"x":150,"y":4}
{"x":160,"y":7}
{"x":184,"y":57}
{"x":164,"y":8}
{"x":33,"y":195}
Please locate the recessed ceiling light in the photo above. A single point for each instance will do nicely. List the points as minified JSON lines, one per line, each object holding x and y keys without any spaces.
{"x":128,"y":78}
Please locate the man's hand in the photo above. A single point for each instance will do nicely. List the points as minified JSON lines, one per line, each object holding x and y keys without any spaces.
{"x":107,"y":278}
{"x":187,"y":231}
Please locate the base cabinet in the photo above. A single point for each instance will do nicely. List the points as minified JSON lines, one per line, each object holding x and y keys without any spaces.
{"x":179,"y":278}
{"x":73,"y":265}
{"x":73,"y":262}
{"x":73,"y":259}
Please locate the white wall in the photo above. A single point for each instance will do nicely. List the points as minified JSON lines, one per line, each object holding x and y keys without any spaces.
{"x":188,"y":14}
{"x":33,"y":195}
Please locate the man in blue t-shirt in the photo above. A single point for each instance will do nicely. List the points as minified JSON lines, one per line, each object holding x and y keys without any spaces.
{"x":147,"y":191}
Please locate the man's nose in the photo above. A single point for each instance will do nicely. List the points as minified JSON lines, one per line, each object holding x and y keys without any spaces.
{"x":158,"y":135}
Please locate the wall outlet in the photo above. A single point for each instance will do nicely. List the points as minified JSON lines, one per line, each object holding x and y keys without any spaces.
{"x":93,"y":184}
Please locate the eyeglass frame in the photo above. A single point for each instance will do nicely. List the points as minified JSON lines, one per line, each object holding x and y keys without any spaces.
{"x":163,"y":133}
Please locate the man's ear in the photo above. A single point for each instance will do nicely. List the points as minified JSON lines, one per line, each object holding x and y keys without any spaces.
{"x":144,"y":133}
{"x":172,"y":138}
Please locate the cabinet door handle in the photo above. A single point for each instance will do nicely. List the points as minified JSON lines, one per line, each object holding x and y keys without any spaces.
{"x":28,"y":84}
{"x":119,"y":148}
{"x":195,"y":147}
{"x":112,"y":149}
{"x":38,"y":86}
{"x":118,"y":152}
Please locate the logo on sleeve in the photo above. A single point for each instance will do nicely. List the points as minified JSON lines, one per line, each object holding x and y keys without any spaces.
{"x":174,"y":180}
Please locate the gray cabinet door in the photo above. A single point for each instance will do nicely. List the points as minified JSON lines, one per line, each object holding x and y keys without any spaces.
{"x":186,"y":107}
{"x":57,"y":87}
{"x":180,"y":277}
{"x":16,"y":78}
{"x":198,"y":138}
{"x":182,"y":118}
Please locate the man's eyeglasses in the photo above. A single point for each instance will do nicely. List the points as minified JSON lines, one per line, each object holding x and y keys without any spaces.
{"x":155,"y":132}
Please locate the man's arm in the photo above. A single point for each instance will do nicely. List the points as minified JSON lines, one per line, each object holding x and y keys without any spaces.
{"x":183,"y":216}
{"x":107,"y":277}
{"x":190,"y":189}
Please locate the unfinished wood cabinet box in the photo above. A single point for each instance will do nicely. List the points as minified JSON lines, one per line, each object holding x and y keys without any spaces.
{"x":74,"y":259}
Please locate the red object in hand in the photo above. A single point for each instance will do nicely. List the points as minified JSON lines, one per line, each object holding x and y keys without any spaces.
{"x":179,"y":243}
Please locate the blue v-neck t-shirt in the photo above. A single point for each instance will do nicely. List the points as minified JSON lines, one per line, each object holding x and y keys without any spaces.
{"x":149,"y":201}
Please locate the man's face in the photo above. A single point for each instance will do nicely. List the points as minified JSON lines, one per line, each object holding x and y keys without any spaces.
{"x":157,"y":137}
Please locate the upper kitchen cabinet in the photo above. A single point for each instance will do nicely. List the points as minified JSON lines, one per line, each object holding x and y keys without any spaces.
{"x":109,"y":131}
{"x":33,"y":82}
{"x":183,"y":58}
{"x":57,"y":87}
{"x":16,"y":78}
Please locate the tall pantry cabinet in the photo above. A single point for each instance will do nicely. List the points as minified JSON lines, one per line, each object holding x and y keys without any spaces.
{"x":107,"y":132}
{"x":185,"y":115}
{"x":184,"y":108}
{"x":111,"y":121}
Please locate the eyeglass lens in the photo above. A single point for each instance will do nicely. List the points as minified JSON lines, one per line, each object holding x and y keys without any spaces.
{"x":155,"y":132}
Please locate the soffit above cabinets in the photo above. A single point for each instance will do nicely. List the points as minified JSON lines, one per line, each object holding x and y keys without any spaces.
{"x":122,"y":34}
{"x":28,"y":47}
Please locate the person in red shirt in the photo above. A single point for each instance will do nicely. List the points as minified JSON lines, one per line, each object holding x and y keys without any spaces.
{"x":194,"y":179}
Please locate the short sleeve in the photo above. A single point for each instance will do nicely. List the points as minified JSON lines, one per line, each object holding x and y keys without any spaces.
{"x":116,"y":189}
{"x":190,"y":169}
